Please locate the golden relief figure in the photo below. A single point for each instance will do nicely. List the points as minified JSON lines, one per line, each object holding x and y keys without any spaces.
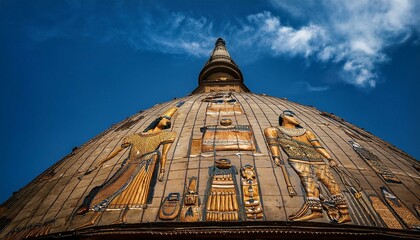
{"x":305,"y":155}
{"x":222,"y":193}
{"x":375,"y":163}
{"x":132,"y":184}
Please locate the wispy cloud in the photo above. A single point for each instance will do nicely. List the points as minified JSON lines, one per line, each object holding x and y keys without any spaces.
{"x":353,"y":35}
{"x":356,"y":33}
{"x":308,"y":87}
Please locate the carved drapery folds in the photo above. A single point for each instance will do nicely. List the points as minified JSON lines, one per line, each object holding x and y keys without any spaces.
{"x":222,"y":195}
{"x":305,"y":156}
{"x":132,"y":185}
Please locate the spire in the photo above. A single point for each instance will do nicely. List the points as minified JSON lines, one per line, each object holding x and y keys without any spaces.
{"x":220,"y":73}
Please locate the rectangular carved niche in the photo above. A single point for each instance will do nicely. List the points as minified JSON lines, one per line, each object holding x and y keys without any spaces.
{"x":230,"y":138}
{"x":224,"y":109}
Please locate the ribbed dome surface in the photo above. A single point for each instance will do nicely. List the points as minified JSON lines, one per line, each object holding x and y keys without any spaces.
{"x":223,"y":162}
{"x":53,"y":197}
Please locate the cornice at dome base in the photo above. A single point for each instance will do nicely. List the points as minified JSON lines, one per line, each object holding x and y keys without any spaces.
{"x":244,"y":230}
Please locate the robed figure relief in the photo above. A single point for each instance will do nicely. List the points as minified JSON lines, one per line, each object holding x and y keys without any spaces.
{"x":132,"y":184}
{"x":305,"y":155}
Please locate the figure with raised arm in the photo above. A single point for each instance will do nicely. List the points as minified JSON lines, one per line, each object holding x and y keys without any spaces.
{"x":133,"y":184}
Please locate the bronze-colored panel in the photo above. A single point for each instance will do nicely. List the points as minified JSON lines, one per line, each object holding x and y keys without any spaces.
{"x":224,"y":109}
{"x":375,"y":163}
{"x":384,"y":212}
{"x":226,"y":138}
{"x":195,"y":147}
{"x":400,"y":209}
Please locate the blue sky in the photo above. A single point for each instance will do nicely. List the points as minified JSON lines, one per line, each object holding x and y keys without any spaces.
{"x":71,"y":69}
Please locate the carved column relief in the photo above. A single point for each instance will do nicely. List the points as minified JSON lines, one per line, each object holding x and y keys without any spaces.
{"x":222,"y":202}
{"x":375,"y":163}
{"x":251,"y":194}
{"x":191,"y":210}
{"x":383,"y":211}
{"x":400,"y":209}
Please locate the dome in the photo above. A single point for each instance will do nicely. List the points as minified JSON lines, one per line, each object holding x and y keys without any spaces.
{"x":223,"y":163}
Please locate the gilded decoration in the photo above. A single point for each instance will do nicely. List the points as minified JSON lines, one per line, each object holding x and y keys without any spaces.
{"x":222,"y":199}
{"x":409,"y":219}
{"x":223,"y":105}
{"x":251,"y":193}
{"x":170,"y":207}
{"x":387,"y":217}
{"x":191,"y":210}
{"x":133,"y":184}
{"x":305,"y":155}
{"x":375,"y":163}
{"x":226,"y":138}
{"x":195,"y":148}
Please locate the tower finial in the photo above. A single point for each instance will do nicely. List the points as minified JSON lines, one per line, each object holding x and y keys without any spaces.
{"x":220,"y":73}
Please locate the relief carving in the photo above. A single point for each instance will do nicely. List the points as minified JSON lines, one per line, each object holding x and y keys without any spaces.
{"x":305,"y":155}
{"x":223,"y":105}
{"x":192,"y":207}
{"x":226,"y":138}
{"x":375,"y":163}
{"x":170,"y":207}
{"x":222,"y":193}
{"x":384,"y":212}
{"x":410,"y":220}
{"x":251,"y":193}
{"x":133,"y":184}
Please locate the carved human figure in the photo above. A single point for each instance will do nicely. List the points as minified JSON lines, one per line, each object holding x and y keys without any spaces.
{"x":133,"y":183}
{"x":305,"y":155}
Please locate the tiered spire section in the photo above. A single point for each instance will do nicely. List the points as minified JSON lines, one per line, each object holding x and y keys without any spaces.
{"x":220,"y":73}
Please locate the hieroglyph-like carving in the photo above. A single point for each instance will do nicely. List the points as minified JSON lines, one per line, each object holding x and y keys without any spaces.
{"x":133,"y":183}
{"x":251,"y":194}
{"x":191,"y":210}
{"x":305,"y":156}
{"x":223,"y":105}
{"x":170,"y":207}
{"x":375,"y":163}
{"x":410,"y":220}
{"x":222,"y":193}
{"x":225,"y":138}
{"x":384,"y":212}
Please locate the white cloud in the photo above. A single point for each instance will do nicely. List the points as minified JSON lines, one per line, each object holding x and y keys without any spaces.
{"x":355,"y":33}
